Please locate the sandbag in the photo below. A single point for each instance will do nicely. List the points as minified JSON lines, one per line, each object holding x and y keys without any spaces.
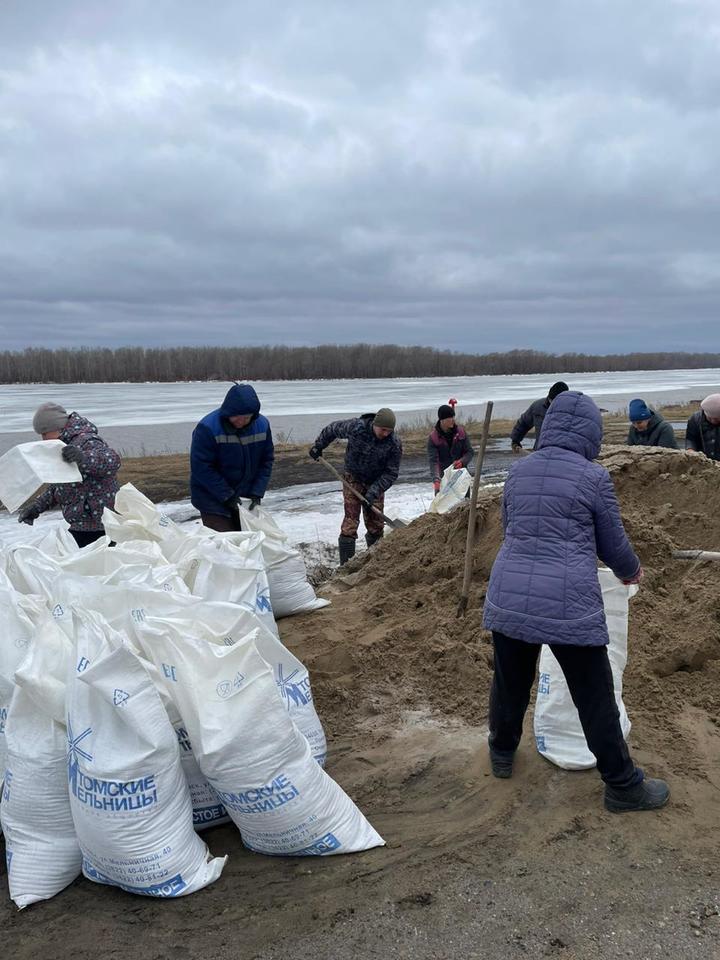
{"x":559,"y":736}
{"x":454,"y":484}
{"x":226,"y":625}
{"x":135,"y":517}
{"x":251,"y":752}
{"x":27,"y":468}
{"x":43,"y":855}
{"x":290,"y":591}
{"x":19,"y":616}
{"x":128,"y":795}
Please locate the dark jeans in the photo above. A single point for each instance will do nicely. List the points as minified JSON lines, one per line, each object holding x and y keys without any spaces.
{"x":221,"y":524}
{"x":589,"y":679}
{"x":84,"y":538}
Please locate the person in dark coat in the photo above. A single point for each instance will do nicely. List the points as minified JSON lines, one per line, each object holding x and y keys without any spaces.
{"x":82,"y":504}
{"x":372,"y":465}
{"x":533,"y":418}
{"x":231,"y":459}
{"x":703,"y":428}
{"x":560,"y":514}
{"x":447,"y":444}
{"x":649,"y":429}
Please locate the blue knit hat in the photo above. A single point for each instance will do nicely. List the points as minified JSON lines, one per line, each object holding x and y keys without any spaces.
{"x":639,"y":410}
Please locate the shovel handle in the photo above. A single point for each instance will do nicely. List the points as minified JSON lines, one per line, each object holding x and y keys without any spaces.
{"x":360,"y":497}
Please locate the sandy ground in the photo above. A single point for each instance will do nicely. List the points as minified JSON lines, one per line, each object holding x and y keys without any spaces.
{"x":473,"y":867}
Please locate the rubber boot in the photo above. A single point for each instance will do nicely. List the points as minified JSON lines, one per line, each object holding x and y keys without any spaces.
{"x":346,"y":546}
{"x":372,"y":538}
{"x":648,"y":795}
{"x":501,"y":764}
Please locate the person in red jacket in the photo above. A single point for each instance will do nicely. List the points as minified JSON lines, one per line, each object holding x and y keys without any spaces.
{"x":447,"y":444}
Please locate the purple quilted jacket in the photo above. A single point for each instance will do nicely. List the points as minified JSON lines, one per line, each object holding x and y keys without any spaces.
{"x":560,"y":514}
{"x":82,"y":503}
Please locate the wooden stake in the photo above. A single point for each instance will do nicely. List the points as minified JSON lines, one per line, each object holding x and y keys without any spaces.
{"x":472,"y":515}
{"x":695,"y":555}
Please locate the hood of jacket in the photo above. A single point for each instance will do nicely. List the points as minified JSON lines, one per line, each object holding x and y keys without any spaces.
{"x":77,"y":426}
{"x":240,"y":401}
{"x":573,"y":422}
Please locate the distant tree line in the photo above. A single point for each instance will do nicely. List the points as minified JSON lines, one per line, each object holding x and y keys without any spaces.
{"x":325,"y":362}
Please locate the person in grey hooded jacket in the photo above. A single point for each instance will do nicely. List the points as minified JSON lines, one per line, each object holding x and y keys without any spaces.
{"x":560,"y":514}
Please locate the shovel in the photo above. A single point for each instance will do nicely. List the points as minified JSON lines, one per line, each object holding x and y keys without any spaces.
{"x":395,"y":524}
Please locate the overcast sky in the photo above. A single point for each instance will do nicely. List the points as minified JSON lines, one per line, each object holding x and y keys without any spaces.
{"x":477,"y":176}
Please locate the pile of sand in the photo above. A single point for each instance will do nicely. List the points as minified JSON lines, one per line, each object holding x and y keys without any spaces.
{"x":390,"y":644}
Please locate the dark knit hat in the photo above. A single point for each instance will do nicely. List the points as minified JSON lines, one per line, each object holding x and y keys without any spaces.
{"x":50,"y":417}
{"x":639,"y":410}
{"x":385,"y":418}
{"x":556,"y":388}
{"x":445,"y":412}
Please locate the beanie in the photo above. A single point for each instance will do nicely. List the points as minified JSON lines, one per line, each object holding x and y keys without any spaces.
{"x":385,"y":418}
{"x":556,"y":388}
{"x":49,"y":417}
{"x":639,"y":410}
{"x":445,"y":412}
{"x":711,"y":405}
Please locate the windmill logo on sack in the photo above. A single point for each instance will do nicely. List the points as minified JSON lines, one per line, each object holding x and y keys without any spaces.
{"x":75,"y":751}
{"x":296,"y":693}
{"x":262,"y":600}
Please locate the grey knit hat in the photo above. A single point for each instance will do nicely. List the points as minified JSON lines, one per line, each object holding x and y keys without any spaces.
{"x":385,"y":418}
{"x":49,"y":417}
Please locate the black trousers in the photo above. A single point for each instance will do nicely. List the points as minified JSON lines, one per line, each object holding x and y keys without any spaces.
{"x":84,"y":538}
{"x":589,"y":679}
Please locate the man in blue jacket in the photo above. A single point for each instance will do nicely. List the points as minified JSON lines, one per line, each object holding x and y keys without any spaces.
{"x":231,"y":458}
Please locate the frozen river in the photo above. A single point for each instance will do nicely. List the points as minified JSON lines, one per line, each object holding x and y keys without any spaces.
{"x":147,"y":418}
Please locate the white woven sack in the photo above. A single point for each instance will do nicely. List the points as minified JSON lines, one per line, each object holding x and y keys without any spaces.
{"x":99,"y":559}
{"x":43,"y":855}
{"x":290,"y":591}
{"x":225,"y":625}
{"x":28,"y":467}
{"x":453,"y":487}
{"x":559,"y":736}
{"x":31,"y":571}
{"x":128,"y":794}
{"x":19,"y":616}
{"x":56,"y":541}
{"x":253,"y":755}
{"x":135,"y":517}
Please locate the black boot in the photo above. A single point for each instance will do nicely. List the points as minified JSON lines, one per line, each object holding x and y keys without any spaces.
{"x":372,"y":538}
{"x":346,"y":546}
{"x":648,"y":795}
{"x":501,"y":764}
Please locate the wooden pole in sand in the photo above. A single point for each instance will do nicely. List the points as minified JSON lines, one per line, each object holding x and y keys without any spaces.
{"x":472,"y":515}
{"x":696,"y":555}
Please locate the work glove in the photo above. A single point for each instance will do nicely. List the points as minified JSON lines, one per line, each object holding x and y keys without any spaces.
{"x":315,"y":452}
{"x":254,"y":502}
{"x":636,"y":579}
{"x":517,"y":448}
{"x":371,"y":496}
{"x":458,"y":465}
{"x":71,"y":454}
{"x":29,"y":514}
{"x":231,"y":503}
{"x":436,"y":487}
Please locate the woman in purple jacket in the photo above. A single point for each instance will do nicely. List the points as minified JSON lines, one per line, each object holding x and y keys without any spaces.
{"x":560,"y":514}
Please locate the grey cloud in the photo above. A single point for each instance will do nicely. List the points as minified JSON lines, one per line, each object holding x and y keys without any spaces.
{"x":494,"y":174}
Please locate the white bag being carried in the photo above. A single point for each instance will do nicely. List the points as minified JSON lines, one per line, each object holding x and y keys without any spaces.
{"x":43,"y":855}
{"x":29,"y":467}
{"x":253,"y":755}
{"x":558,"y":734}
{"x":453,"y":487}
{"x":290,"y":591}
{"x":225,"y":625}
{"x":128,"y":794}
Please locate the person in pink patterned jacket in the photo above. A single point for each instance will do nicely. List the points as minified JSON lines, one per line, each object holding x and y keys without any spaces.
{"x":82,"y":504}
